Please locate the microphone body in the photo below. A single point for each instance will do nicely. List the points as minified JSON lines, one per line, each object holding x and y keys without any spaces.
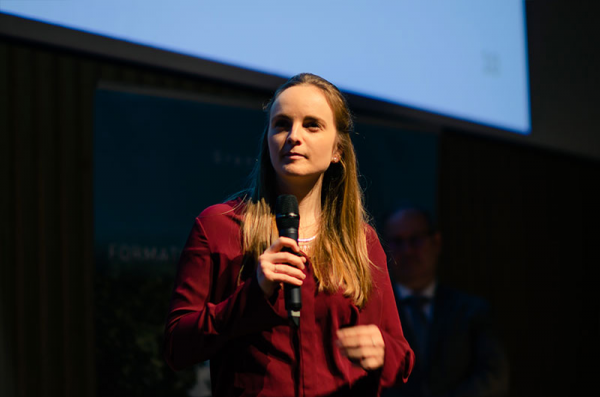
{"x":288,"y":220}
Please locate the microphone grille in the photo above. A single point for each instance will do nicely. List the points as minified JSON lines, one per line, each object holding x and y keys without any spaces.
{"x":286,"y":204}
{"x":286,"y":212}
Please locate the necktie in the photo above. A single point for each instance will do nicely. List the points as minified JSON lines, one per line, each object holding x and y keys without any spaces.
{"x":415,"y":306}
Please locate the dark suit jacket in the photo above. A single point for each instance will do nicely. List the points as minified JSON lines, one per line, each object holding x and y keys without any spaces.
{"x":465,"y":355}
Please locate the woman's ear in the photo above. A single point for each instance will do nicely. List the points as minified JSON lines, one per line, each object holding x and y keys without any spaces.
{"x":337,"y":154}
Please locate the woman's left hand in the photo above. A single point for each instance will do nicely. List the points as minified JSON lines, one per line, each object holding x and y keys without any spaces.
{"x":363,"y":345}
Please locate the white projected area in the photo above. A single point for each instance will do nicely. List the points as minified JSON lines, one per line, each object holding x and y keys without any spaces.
{"x":465,"y":59}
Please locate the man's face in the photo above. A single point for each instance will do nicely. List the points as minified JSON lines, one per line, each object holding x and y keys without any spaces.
{"x":414,"y":249}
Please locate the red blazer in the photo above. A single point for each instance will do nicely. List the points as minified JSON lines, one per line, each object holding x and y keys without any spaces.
{"x":252,"y":349}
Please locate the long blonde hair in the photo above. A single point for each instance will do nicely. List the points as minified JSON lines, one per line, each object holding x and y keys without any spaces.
{"x":339,"y":257}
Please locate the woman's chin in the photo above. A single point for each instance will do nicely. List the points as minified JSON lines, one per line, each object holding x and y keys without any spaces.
{"x":295,"y":175}
{"x":292,"y":171}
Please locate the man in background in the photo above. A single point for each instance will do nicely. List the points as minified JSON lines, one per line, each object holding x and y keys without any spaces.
{"x":457,"y":351}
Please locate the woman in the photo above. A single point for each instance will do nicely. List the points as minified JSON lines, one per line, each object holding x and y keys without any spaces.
{"x":228,"y":302}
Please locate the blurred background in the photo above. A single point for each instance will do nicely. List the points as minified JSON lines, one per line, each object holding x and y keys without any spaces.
{"x":110,"y":147}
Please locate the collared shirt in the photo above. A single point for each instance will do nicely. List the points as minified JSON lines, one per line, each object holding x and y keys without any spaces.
{"x":429,"y":292}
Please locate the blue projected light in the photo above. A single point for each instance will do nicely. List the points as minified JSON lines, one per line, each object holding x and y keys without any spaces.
{"x":465,"y":59}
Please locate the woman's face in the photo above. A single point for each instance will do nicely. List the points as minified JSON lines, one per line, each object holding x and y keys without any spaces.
{"x":302,"y":135}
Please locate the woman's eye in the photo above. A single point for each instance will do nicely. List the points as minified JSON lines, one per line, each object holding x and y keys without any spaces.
{"x":313,"y":125}
{"x":281,"y":124}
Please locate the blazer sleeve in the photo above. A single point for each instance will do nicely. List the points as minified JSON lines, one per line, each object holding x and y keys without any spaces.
{"x":208,"y":308}
{"x":490,"y":370}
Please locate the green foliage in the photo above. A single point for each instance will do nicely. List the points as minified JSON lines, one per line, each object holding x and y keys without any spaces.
{"x":130,"y":318}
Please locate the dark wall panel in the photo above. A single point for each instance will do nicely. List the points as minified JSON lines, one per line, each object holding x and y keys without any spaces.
{"x":48,"y":272}
{"x":7,"y":232}
{"x":518,"y":226}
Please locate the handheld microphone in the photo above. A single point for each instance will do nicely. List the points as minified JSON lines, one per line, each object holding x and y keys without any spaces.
{"x":288,"y":220}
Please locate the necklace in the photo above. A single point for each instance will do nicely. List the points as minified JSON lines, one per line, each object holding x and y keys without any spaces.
{"x":307,"y":240}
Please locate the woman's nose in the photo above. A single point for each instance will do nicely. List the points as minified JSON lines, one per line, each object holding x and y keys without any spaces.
{"x":294,"y":134}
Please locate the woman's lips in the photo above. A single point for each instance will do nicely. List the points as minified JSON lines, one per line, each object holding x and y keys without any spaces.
{"x":293,"y":155}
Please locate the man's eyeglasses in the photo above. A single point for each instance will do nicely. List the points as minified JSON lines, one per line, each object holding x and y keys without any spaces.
{"x":414,"y":241}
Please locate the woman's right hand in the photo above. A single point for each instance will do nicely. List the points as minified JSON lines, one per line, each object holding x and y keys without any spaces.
{"x":276,"y":266}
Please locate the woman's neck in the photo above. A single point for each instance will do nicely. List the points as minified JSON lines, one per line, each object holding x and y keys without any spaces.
{"x":309,"y":206}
